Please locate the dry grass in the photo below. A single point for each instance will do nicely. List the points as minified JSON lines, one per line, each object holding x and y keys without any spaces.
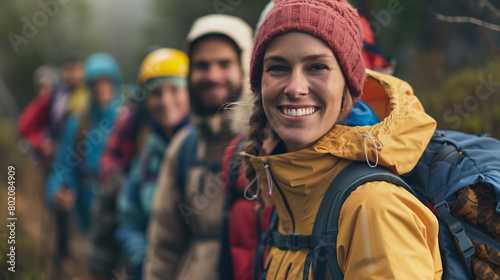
{"x":35,"y":235}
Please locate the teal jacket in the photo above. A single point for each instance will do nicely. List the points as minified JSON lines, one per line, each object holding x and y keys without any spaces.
{"x":135,"y":200}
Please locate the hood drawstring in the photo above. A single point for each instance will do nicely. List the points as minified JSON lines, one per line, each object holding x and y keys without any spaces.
{"x":253,"y":197}
{"x":257,"y":178}
{"x":269,"y":179}
{"x":376,"y":145}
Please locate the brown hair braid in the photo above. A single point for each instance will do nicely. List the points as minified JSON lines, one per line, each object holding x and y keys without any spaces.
{"x":255,"y":140}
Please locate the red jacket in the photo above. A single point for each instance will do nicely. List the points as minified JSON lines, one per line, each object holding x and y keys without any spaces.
{"x":34,"y":119}
{"x":243,"y":229}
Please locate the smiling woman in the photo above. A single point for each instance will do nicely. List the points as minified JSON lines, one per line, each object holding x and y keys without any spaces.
{"x":307,"y":73}
{"x":302,"y":89}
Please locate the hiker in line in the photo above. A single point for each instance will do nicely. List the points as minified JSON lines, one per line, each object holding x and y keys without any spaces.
{"x":41,"y":122}
{"x":163,"y":76}
{"x":69,"y":98}
{"x":186,"y":220}
{"x":245,"y":225}
{"x":307,"y":73}
{"x":125,"y":141}
{"x":33,"y":122}
{"x":73,"y":175}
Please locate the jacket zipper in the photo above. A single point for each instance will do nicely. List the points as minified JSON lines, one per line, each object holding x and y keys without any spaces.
{"x":285,"y":201}
{"x":287,"y":206}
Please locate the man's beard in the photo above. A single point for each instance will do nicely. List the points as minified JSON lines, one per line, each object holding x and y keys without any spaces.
{"x":199,"y":106}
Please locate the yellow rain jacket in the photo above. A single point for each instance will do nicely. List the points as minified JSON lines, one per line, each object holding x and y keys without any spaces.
{"x":384,"y":231}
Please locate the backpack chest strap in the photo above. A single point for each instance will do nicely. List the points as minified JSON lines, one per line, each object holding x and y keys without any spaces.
{"x":295,"y":241}
{"x":326,"y":243}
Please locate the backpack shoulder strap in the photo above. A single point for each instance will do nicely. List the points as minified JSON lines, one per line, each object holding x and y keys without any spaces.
{"x":188,"y":154}
{"x":326,"y":223}
{"x":265,"y":239}
{"x":234,"y":172}
{"x":82,"y":127}
{"x":323,"y":240}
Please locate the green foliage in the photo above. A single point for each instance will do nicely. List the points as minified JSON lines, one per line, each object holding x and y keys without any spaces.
{"x":445,"y":62}
{"x":31,"y":36}
{"x":468,"y":100}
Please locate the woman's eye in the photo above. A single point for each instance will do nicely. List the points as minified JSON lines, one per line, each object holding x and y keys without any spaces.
{"x":319,"y":67}
{"x":276,"y":68}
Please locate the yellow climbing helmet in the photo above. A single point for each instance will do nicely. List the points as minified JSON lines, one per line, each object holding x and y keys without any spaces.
{"x":164,"y":62}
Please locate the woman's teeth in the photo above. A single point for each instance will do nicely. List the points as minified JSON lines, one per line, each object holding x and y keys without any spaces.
{"x":298,"y":112}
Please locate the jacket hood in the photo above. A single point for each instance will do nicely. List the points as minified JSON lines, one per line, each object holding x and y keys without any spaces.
{"x":104,"y":65}
{"x":241,"y":34}
{"x":402,"y":135}
{"x":397,"y":142}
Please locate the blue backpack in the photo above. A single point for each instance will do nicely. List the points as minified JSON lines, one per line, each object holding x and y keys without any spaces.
{"x":451,"y":162}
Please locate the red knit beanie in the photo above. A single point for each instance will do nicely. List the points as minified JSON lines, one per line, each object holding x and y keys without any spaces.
{"x":336,"y":22}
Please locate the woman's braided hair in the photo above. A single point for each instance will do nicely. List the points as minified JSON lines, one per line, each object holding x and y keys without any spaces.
{"x":255,"y":141}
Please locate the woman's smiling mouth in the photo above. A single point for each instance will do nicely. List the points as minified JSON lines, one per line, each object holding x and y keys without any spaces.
{"x":298,"y":111}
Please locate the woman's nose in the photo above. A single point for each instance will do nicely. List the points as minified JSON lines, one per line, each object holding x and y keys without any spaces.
{"x":297,"y":85}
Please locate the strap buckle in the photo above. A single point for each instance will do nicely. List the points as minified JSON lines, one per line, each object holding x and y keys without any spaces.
{"x":462,"y":240}
{"x":293,"y":239}
{"x":457,"y":230}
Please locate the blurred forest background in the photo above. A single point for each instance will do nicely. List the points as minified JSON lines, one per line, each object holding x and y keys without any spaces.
{"x":448,"y":50}
{"x":453,"y":66}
